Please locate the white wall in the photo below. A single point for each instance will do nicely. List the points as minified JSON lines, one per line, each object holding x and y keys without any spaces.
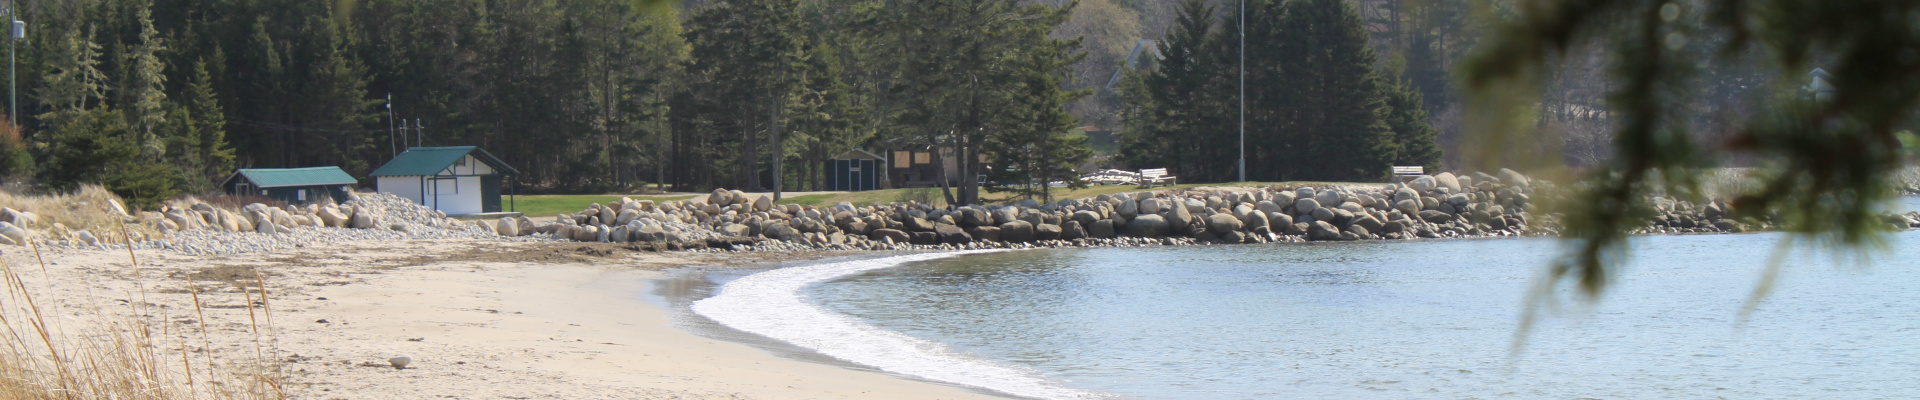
{"x":455,"y":196}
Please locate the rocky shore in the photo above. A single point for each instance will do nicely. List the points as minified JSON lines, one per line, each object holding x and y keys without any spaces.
{"x":1444,"y":205}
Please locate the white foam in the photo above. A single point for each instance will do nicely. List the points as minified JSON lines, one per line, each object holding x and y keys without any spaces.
{"x":771,"y":304}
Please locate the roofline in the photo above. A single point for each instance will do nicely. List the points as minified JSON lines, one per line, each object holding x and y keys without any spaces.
{"x":485,"y":157}
{"x":238,"y":171}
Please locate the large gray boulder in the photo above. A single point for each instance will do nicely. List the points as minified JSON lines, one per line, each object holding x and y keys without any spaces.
{"x":985,"y":233}
{"x":1322,"y":231}
{"x":1102,"y":229}
{"x":1086,"y":218}
{"x":1410,"y":207}
{"x":1016,"y":231}
{"x":894,"y":235}
{"x":1127,"y":208}
{"x":952,"y":234}
{"x":1447,"y":180}
{"x":1435,"y":216}
{"x":1005,"y":215}
{"x":972,"y":216}
{"x":1180,"y":220}
{"x":1220,"y":224}
{"x":1423,"y":183}
{"x":504,"y":227}
{"x":1305,"y":206}
{"x":918,"y":225}
{"x":1254,"y":220}
{"x":1150,"y":206}
{"x":1070,"y":230}
{"x":1148,"y":226}
{"x":1046,"y":232}
{"x":1513,"y":178}
{"x":1329,"y":198}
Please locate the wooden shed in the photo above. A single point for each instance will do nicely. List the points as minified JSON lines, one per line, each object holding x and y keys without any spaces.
{"x":291,"y":185}
{"x":457,"y":180}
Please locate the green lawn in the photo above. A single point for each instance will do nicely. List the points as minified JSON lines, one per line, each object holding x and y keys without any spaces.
{"x":548,"y":205}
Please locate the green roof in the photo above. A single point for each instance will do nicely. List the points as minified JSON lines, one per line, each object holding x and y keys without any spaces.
{"x":427,"y":161}
{"x":283,"y":177}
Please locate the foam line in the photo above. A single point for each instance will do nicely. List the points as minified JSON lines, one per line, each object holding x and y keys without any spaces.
{"x":771,"y":304}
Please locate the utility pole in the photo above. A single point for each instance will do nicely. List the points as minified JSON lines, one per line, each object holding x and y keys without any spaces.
{"x":391,"y":145}
{"x":419,"y":133}
{"x":1243,"y":90}
{"x":17,"y":31}
{"x":773,"y":119}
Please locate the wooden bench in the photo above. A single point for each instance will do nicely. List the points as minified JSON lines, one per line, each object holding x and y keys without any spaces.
{"x":1407,"y":173}
{"x":1157,"y":176}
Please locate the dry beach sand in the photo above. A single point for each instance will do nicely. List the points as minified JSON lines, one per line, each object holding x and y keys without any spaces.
{"x":481,"y":319}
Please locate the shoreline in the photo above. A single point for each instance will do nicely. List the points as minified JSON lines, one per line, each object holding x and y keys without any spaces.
{"x":479,"y":318}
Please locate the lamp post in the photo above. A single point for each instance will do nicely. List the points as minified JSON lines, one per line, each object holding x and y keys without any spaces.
{"x":1243,"y":90}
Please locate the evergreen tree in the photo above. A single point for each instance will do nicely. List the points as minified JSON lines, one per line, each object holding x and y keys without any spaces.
{"x":749,"y":53}
{"x":1413,"y":138}
{"x":1171,"y":102}
{"x":146,"y":84}
{"x":1341,"y":127}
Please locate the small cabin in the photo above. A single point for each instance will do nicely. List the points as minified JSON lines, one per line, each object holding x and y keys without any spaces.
{"x":291,"y":185}
{"x":855,"y":170}
{"x":457,"y":180}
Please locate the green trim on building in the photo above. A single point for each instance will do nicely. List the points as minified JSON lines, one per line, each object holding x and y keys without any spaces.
{"x":285,"y":177}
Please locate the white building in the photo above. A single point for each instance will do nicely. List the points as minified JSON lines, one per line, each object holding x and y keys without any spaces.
{"x":458,"y":180}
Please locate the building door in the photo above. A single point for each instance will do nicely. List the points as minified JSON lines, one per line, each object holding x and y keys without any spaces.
{"x":490,"y":193}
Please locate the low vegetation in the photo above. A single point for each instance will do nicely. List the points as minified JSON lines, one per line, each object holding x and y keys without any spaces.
{"x":554,"y":204}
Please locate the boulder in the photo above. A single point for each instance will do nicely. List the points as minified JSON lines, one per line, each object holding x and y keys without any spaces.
{"x":985,"y":233}
{"x":918,"y":225}
{"x":1447,"y":180}
{"x":1423,"y":183}
{"x":1322,"y":231}
{"x":331,"y":216}
{"x":763,"y":204}
{"x":720,"y":197}
{"x":737,"y":230}
{"x":1513,"y":178}
{"x":952,"y":234}
{"x":1435,"y":216}
{"x":1148,"y":226}
{"x":650,"y":233}
{"x":18,"y":235}
{"x":924,"y":238}
{"x":1046,"y":232}
{"x":1016,"y":231}
{"x":1329,"y":198}
{"x":1357,"y":232}
{"x":1279,"y":220}
{"x":1127,"y":208}
{"x":526,"y":226}
{"x":1150,"y":206}
{"x":360,"y":220}
{"x":1305,"y":206}
{"x":1086,"y":218}
{"x":507,"y":227}
{"x":1220,"y":224}
{"x":971,"y":217}
{"x":1070,"y":230}
{"x":1235,"y":237}
{"x":1409,"y":207}
{"x":1368,"y":221}
{"x":783,"y":231}
{"x":1005,"y":215}
{"x":1254,"y":220}
{"x":1297,"y":228}
{"x":1181,"y":220}
{"x":1102,"y":229}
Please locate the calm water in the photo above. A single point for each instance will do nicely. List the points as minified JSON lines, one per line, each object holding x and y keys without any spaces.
{"x":1423,"y":319}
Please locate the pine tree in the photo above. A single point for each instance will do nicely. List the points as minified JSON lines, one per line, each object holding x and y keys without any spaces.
{"x":1171,"y":101}
{"x":1340,"y":129}
{"x":147,"y":86}
{"x":1413,"y":138}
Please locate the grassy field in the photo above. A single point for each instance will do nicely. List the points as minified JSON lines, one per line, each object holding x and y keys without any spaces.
{"x":554,"y":204}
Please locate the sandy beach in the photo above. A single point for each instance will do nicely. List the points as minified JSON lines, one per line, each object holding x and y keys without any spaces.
{"x":479,"y":318}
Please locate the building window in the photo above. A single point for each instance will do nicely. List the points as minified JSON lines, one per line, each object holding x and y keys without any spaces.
{"x":300,"y":194}
{"x":922,"y":158}
{"x":901,"y":159}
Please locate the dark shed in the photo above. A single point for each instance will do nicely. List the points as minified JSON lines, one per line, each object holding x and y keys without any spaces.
{"x":855,"y":170}
{"x":292,"y":185}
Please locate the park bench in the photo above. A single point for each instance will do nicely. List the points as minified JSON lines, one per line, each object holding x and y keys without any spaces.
{"x":1156,"y":176}
{"x":1407,"y":173}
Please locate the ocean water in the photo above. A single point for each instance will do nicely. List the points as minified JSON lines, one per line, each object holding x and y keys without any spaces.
{"x":1419,"y":319}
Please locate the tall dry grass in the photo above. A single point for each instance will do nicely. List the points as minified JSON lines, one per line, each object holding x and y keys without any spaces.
{"x":88,"y":207}
{"x":78,"y":349}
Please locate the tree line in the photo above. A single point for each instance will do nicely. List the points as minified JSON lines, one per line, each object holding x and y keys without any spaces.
{"x":1318,"y":104}
{"x":156,"y":97}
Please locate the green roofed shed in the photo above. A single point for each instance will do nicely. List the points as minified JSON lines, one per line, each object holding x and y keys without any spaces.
{"x":459,"y":180}
{"x":292,"y":185}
